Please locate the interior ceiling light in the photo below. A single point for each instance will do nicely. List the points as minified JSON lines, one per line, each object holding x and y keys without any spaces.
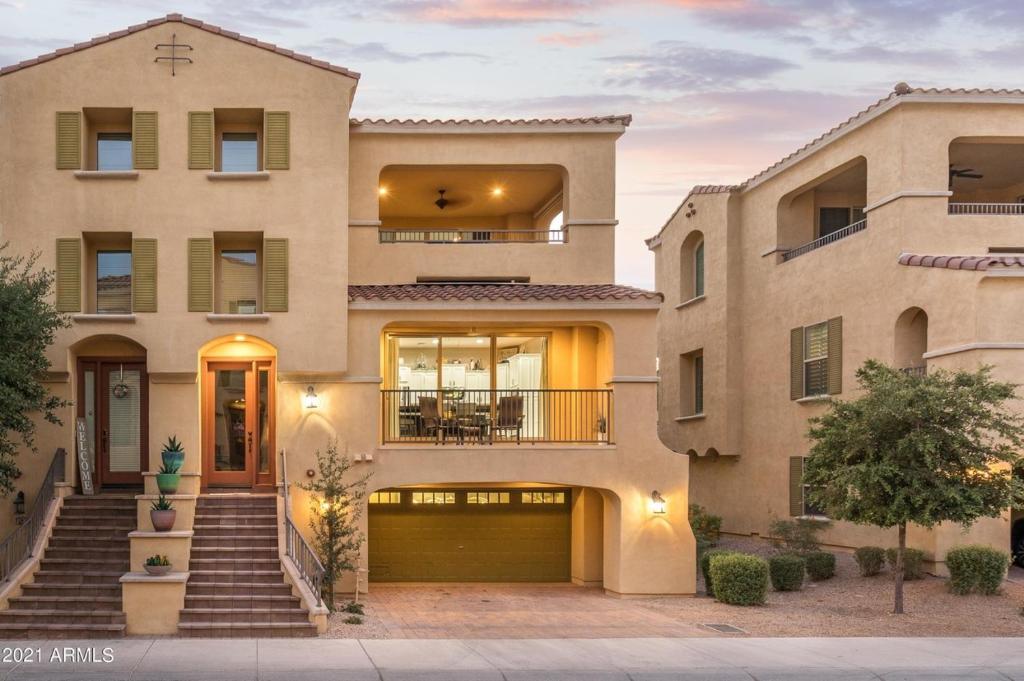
{"x":382,"y":191}
{"x":441,"y":201}
{"x":497,"y":191}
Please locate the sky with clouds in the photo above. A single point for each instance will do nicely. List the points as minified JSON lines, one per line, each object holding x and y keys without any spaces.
{"x":719,"y":89}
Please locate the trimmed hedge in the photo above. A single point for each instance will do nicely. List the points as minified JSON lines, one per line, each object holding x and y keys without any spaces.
{"x":820,"y":565}
{"x":913,"y":563}
{"x":870,"y":560}
{"x":705,"y":567}
{"x":706,"y":527}
{"x":975,"y":568}
{"x":787,"y":572}
{"x":740,"y":579}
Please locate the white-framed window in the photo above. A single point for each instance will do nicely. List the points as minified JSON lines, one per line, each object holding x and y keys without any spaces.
{"x":816,"y":360}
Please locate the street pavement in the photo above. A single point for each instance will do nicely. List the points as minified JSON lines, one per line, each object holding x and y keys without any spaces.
{"x":639,"y":659}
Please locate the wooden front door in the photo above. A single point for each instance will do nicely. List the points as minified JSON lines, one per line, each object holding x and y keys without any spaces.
{"x":238,"y":423}
{"x":114,"y":401}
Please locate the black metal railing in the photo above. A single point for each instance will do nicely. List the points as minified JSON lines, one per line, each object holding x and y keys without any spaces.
{"x":825,"y":240}
{"x":457,"y":416}
{"x":986,"y":208}
{"x":471,"y":236}
{"x":914,"y":371}
{"x":18,"y":545}
{"x":311,"y":570}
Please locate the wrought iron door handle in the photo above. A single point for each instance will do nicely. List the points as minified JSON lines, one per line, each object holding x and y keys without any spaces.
{"x":250,"y":442}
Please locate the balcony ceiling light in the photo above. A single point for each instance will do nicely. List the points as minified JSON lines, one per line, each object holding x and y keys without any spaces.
{"x":382,"y":191}
{"x":497,"y":191}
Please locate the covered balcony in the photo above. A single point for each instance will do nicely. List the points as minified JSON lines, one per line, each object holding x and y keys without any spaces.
{"x":824,"y":211}
{"x":508,"y":387}
{"x":986,"y":176}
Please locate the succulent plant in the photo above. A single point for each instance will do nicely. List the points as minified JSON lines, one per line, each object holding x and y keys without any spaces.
{"x":158,"y":560}
{"x":173,"y":445}
{"x":162,"y":504}
{"x":169,"y":468}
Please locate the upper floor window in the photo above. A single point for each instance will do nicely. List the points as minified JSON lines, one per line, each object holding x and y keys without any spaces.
{"x":698,"y":270}
{"x":238,"y":285}
{"x":816,"y":359}
{"x":691,"y":383}
{"x":114,"y":151}
{"x":691,"y":267}
{"x":113,"y":282}
{"x":239,"y":152}
{"x":831,"y":220}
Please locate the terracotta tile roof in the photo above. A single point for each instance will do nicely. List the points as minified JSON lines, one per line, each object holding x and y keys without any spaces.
{"x":499,"y":293}
{"x":977,"y":263}
{"x":623,"y":120}
{"x":177,"y":18}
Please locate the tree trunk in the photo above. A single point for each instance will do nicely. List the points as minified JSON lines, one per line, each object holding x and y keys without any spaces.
{"x":898,"y":568}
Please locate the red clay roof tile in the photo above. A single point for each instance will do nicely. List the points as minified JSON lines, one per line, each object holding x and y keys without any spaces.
{"x":979,"y":263}
{"x":499,"y":292}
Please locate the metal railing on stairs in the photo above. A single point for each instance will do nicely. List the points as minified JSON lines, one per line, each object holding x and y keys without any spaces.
{"x":297,"y":548}
{"x":18,"y":545}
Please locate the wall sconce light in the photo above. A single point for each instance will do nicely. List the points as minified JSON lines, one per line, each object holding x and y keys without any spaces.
{"x":311,"y":400}
{"x":657,"y":503}
{"x":19,"y":505}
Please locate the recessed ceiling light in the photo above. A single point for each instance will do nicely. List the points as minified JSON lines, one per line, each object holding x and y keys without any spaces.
{"x":382,"y":191}
{"x":240,"y":338}
{"x":497,"y":191}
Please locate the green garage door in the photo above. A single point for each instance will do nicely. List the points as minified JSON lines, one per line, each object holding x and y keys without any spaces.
{"x":470,"y":535}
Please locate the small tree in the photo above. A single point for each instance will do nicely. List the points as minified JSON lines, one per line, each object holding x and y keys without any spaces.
{"x":28,"y":322}
{"x":916,"y":449}
{"x":336,"y":504}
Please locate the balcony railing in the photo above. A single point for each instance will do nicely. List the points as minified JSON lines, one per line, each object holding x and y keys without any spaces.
{"x":914,"y":371}
{"x":986,"y":208}
{"x":825,"y":240}
{"x":486,"y":417}
{"x":18,"y":545}
{"x":471,"y":236}
{"x":311,"y":570}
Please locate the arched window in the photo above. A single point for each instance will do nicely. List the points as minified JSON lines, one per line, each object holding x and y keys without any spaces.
{"x":691,"y":267}
{"x":698,"y":270}
{"x":910,"y":341}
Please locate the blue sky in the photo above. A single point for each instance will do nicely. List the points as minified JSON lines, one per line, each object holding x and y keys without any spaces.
{"x":718,"y":88}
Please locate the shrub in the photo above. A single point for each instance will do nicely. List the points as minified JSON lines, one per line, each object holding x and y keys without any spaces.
{"x":870,"y":560}
{"x":820,"y":565}
{"x":976,"y":569}
{"x":353,"y":608}
{"x":913,"y":562}
{"x":353,"y":619}
{"x":799,"y":535}
{"x":740,"y":579}
{"x":787,"y":572}
{"x":706,"y":527}
{"x":705,"y":567}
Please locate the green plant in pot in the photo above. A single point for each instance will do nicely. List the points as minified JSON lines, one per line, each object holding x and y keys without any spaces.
{"x":157,"y":565}
{"x":173,"y":454}
{"x":162,"y":514}
{"x":168,"y":479}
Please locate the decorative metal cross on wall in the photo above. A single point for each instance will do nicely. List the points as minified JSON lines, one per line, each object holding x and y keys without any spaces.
{"x":175,"y":46}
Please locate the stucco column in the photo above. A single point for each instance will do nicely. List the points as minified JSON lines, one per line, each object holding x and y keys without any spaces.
{"x":587,"y":537}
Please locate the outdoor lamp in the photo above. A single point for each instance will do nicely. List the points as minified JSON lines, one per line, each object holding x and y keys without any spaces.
{"x":311,"y":400}
{"x":19,"y":504}
{"x":657,"y":503}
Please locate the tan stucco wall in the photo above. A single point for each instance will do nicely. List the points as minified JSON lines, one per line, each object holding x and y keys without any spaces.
{"x":753,"y":299}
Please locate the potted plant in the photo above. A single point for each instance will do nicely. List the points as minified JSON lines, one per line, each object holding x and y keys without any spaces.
{"x":162,"y":514}
{"x":173,"y":454}
{"x":168,"y":479}
{"x":157,"y":565}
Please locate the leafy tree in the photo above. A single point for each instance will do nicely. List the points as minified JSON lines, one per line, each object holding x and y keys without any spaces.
{"x":917,"y":449}
{"x":28,"y":322}
{"x":336,"y":504}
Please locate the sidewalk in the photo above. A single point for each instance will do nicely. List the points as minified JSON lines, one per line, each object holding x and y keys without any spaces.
{"x":642,"y":659}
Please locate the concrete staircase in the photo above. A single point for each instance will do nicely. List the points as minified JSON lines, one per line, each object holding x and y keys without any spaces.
{"x":76,"y":592}
{"x":236,"y":586}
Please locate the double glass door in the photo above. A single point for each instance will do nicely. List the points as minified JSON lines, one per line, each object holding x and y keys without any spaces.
{"x":113,"y":400}
{"x":238,"y":424}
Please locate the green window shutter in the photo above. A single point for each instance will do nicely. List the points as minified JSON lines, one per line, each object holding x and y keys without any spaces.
{"x":796,"y":363}
{"x":200,"y":140}
{"x":144,"y":140}
{"x":200,"y":275}
{"x":275,"y":275}
{"x":276,"y":144}
{"x":69,"y":275}
{"x":698,"y":270}
{"x":143,"y":275}
{"x":796,"y":486}
{"x":835,"y":355}
{"x":69,"y":140}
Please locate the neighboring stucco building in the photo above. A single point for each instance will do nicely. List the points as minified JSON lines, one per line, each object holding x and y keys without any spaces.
{"x":896,"y":236}
{"x":250,"y":270}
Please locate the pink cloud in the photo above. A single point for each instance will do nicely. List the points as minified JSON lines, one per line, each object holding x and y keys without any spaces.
{"x":573,"y":39}
{"x":484,"y":12}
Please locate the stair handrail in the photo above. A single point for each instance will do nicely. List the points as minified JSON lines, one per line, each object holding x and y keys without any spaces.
{"x":296,"y":547}
{"x":18,"y":546}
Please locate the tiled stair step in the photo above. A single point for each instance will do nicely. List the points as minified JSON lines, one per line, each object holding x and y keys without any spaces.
{"x":236,"y":576}
{"x":60,"y":617}
{"x":268,"y":541}
{"x":198,"y":589}
{"x":99,"y":542}
{"x":238,"y":499}
{"x":235,"y":564}
{"x":92,"y":521}
{"x":87,"y":531}
{"x":237,"y":509}
{"x":228,"y":530}
{"x":67,"y":602}
{"x":219,"y":519}
{"x":63,"y":631}
{"x":64,"y":590}
{"x":235,"y":552}
{"x":91,"y":553}
{"x":72,"y":577}
{"x":245,"y":615}
{"x":73,"y":564}
{"x":99,"y":509}
{"x":243,"y":630}
{"x":219,"y":602}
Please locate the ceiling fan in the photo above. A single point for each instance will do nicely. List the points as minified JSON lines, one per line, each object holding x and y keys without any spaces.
{"x":962,"y":172}
{"x":443,"y":201}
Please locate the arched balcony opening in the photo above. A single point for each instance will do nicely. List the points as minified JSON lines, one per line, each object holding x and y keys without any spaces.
{"x":911,"y":341}
{"x":985,"y":176}
{"x":823,"y":211}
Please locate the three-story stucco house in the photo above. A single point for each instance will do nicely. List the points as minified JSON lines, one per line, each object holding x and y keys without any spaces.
{"x":896,"y":236}
{"x":248,"y":269}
